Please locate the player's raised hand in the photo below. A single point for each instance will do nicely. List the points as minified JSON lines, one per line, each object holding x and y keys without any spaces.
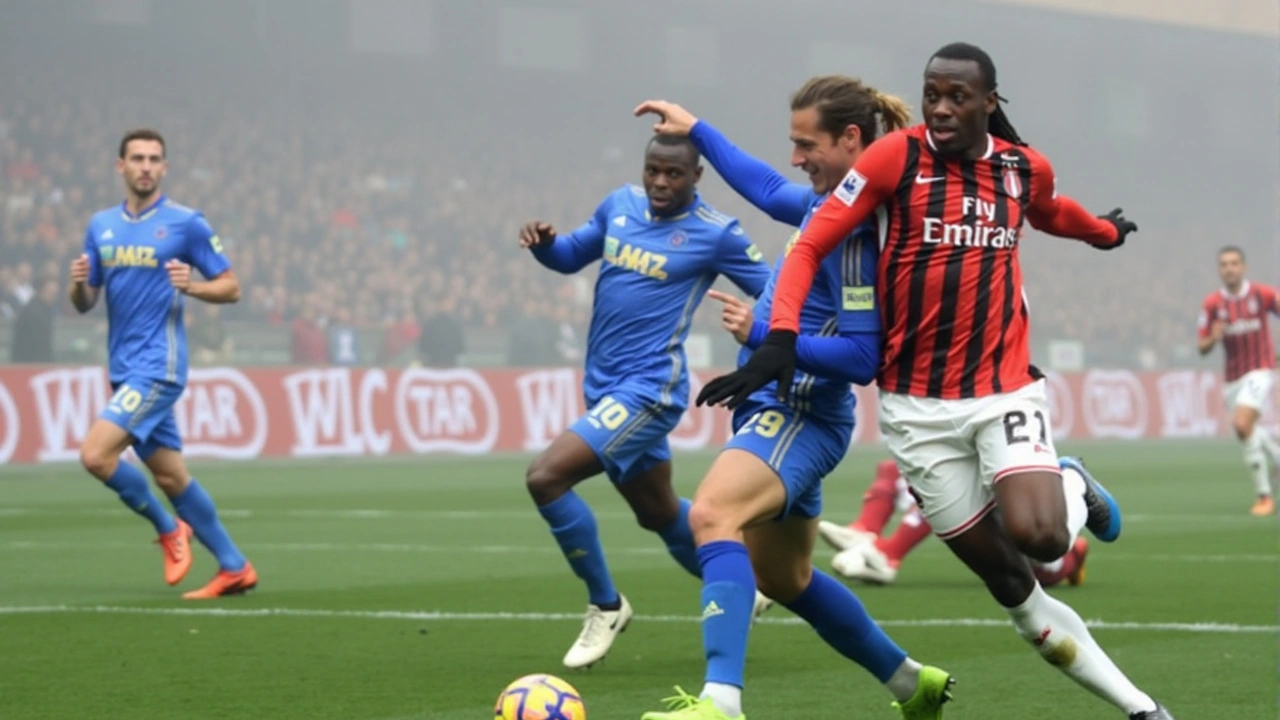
{"x":1123,"y":227}
{"x":80,"y":269}
{"x":672,"y":119}
{"x":179,"y":275}
{"x":735,"y":315}
{"x":536,"y":233}
{"x":775,"y":359}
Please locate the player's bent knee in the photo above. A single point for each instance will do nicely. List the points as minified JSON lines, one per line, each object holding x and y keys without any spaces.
{"x":545,"y":484}
{"x":98,"y":461}
{"x":1039,"y":537}
{"x":711,"y":521}
{"x":171,"y":485}
{"x":1243,"y":428}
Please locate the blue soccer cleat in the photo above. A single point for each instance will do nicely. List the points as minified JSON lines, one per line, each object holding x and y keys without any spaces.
{"x":1104,"y":511}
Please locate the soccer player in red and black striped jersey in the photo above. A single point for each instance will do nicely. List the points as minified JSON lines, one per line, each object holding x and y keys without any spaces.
{"x":1236,"y":316}
{"x":964,"y":414}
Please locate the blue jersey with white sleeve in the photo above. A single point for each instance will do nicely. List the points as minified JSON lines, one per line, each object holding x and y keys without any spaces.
{"x":655,"y":272}
{"x":146,"y":337}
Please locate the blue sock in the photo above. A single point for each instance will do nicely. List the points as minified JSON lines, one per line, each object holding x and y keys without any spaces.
{"x":196,"y":507}
{"x":131,"y":485}
{"x":728,"y":597}
{"x":840,"y":619}
{"x":574,"y":527}
{"x":679,"y":539}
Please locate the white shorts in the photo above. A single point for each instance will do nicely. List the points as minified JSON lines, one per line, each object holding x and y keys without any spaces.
{"x":953,"y":452}
{"x":1250,"y":390}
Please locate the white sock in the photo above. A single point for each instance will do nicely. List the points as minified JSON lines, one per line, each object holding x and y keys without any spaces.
{"x":728,"y":698}
{"x":905,"y":680}
{"x":1255,"y":458}
{"x":1077,"y":510}
{"x":1061,"y":638}
{"x":1268,"y":443}
{"x":1049,"y":567}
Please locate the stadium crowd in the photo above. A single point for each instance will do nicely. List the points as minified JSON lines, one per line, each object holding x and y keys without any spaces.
{"x":326,"y":220}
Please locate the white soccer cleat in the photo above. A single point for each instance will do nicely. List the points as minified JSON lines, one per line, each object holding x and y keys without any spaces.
{"x":762,"y":605}
{"x":599,"y":629}
{"x":843,"y":537}
{"x":866,"y":564}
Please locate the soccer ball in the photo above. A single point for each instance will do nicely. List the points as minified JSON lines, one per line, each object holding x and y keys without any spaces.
{"x":540,"y":697}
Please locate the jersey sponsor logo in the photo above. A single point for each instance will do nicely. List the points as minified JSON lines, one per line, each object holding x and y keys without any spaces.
{"x":982,"y":232}
{"x":858,"y":298}
{"x":850,"y":188}
{"x":635,"y":259}
{"x":127,"y":256}
{"x":1244,"y":326}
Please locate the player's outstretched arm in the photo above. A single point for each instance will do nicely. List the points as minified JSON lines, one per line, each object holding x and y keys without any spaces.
{"x":1062,"y":216}
{"x":754,"y":180}
{"x":565,"y":254}
{"x":851,"y":357}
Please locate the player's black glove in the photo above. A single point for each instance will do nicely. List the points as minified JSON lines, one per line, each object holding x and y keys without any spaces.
{"x":775,"y":359}
{"x":1123,"y":227}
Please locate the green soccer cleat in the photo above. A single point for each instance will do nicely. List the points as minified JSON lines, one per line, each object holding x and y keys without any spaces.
{"x":933,"y":690}
{"x":687,"y":707}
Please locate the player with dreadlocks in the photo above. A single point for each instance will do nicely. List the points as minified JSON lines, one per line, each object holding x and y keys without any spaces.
{"x":963,"y":412}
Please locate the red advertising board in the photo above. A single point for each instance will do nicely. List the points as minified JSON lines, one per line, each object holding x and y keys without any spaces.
{"x":246,"y":413}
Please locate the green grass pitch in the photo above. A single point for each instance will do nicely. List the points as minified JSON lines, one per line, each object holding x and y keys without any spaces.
{"x":417,"y":588}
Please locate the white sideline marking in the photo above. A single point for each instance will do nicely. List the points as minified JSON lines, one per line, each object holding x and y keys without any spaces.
{"x":546,"y":549}
{"x":442,"y":616}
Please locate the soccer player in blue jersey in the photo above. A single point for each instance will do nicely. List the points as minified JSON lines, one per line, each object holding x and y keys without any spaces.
{"x":139,"y":255}
{"x":662,"y":248}
{"x":755,"y":515}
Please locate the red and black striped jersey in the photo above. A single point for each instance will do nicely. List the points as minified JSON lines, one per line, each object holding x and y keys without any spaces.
{"x":950,"y":287}
{"x":1246,"y":338}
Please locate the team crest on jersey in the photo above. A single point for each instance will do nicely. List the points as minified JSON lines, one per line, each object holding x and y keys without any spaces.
{"x":677,"y":239}
{"x":1012,"y":183}
{"x":161,"y":232}
{"x":1252,"y":305}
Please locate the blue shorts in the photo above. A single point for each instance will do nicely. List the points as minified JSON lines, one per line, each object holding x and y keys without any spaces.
{"x":144,"y":409}
{"x":627,"y":432}
{"x":800,"y":448}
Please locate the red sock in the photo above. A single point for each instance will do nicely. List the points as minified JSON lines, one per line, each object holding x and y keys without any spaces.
{"x":911,"y":532}
{"x":879,"y":500}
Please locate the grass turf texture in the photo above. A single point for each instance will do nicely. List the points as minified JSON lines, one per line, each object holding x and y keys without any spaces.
{"x":388,"y":589}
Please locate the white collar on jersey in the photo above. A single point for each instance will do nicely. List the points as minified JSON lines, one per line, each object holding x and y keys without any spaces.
{"x":1244,"y":290}
{"x":991,"y":145}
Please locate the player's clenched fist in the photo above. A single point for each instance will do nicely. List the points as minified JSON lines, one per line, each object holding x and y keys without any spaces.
{"x":536,"y":233}
{"x":80,"y":269}
{"x":179,"y":275}
{"x":673,"y":119}
{"x":735,"y":317}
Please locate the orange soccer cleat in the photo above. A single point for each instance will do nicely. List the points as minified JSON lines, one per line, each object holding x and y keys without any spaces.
{"x":1264,"y":507}
{"x":176,"y":547}
{"x":226,"y":583}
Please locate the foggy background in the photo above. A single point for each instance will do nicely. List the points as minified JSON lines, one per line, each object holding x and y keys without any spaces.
{"x":368,"y":162}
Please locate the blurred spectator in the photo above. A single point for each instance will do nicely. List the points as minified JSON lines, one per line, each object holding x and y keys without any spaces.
{"x":208,"y":339}
{"x":442,"y":341}
{"x":310,"y":344}
{"x":344,"y":343}
{"x":400,"y":335}
{"x":32,"y":340}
